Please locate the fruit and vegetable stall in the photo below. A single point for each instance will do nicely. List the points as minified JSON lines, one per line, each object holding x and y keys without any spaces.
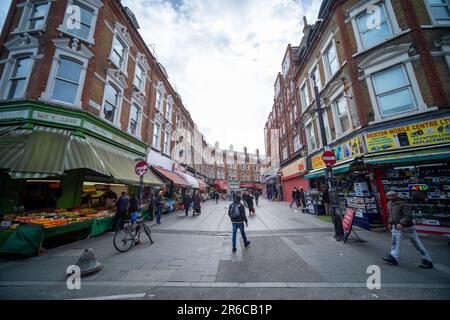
{"x":24,"y":233}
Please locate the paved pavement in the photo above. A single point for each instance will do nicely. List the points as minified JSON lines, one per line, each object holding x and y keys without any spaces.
{"x":292,"y":256}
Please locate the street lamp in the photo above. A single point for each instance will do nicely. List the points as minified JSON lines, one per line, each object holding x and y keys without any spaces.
{"x":329,"y":181}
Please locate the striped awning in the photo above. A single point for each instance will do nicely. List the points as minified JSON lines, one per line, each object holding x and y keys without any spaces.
{"x":120,"y":163}
{"x":201,"y":185}
{"x":171,"y":176}
{"x":81,"y":155}
{"x":12,"y":146}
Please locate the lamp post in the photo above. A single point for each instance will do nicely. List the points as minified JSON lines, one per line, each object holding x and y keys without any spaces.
{"x":329,"y":181}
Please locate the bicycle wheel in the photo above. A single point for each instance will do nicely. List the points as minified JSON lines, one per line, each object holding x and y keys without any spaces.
{"x":123,"y":240}
{"x":147,"y":232}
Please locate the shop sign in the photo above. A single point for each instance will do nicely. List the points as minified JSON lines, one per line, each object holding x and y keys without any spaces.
{"x":417,"y":187}
{"x":234,"y":184}
{"x":94,"y":128}
{"x":417,"y":134}
{"x":296,"y":167}
{"x":347,"y":150}
{"x":19,"y":114}
{"x":56,"y":118}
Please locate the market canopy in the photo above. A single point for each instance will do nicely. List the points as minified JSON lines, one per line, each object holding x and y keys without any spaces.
{"x":120,"y":163}
{"x":321,"y":172}
{"x":171,"y":176}
{"x":201,"y":185}
{"x":411,"y":156}
{"x":221,"y":185}
{"x":190,"y":179}
{"x":247,"y":184}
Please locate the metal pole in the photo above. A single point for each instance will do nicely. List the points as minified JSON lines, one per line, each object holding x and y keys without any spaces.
{"x":328,"y":170}
{"x":141,"y":189}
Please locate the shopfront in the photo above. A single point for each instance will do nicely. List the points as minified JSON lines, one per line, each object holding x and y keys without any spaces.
{"x":222,"y":186}
{"x":413,"y":159}
{"x":293,"y":177}
{"x":175,"y":186}
{"x":60,"y":168}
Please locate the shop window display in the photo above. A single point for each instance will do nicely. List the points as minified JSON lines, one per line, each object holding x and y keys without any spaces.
{"x":426,"y":188}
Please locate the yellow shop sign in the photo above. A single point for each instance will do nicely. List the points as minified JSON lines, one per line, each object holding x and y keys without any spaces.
{"x":417,"y":134}
{"x":344,"y":151}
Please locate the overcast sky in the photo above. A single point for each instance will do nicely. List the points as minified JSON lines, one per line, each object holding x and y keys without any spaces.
{"x":223,"y":57}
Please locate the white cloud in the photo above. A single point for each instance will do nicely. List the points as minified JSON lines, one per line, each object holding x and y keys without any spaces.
{"x":223,"y":56}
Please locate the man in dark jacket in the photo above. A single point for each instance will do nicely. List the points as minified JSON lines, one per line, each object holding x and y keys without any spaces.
{"x":197,"y":203}
{"x":401,"y":225}
{"x":216,"y":196}
{"x":151,"y":205}
{"x":250,"y":205}
{"x":122,"y":205}
{"x":256,"y":195}
{"x":187,"y":202}
{"x":294,"y":196}
{"x":236,"y":212}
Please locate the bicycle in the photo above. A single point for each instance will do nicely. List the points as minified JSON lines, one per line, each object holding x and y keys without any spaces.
{"x":130,"y":234}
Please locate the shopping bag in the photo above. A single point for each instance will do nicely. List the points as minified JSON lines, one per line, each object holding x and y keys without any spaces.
{"x":253,"y":210}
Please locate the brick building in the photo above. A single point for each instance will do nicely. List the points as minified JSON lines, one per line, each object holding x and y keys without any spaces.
{"x":380,"y":68}
{"x":78,"y":80}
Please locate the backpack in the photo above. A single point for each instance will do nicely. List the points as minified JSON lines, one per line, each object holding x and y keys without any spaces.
{"x":234,"y":211}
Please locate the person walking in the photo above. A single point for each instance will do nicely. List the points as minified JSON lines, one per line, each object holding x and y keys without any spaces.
{"x":159,"y":206}
{"x":197,"y":203}
{"x":294,"y":197}
{"x":236,"y":212}
{"x":301,"y":194}
{"x":134,"y":207}
{"x":216,"y":196}
{"x":250,"y":205}
{"x":151,"y":205}
{"x":401,"y":224}
{"x":187,"y":200}
{"x":122,"y":205}
{"x":256,"y":195}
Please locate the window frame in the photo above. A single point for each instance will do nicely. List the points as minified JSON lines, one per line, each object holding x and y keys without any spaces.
{"x":140,"y":67}
{"x":302,"y":96}
{"x":9,"y":69}
{"x":27,"y":11}
{"x":47,"y":94}
{"x":310,"y":123}
{"x":337,"y":117}
{"x":326,"y":63}
{"x":120,"y":98}
{"x":55,"y":78}
{"x":433,"y":19}
{"x":159,"y":103}
{"x":139,"y":120}
{"x":158,"y":125}
{"x":391,"y":18}
{"x":94,"y":5}
{"x":169,"y":106}
{"x":166,"y":145}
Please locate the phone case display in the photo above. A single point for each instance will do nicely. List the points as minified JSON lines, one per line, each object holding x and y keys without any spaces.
{"x":367,"y":215}
{"x":314,"y":202}
{"x":426,"y":188}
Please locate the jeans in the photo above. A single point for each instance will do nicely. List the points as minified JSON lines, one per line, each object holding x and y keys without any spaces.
{"x":158,"y":214}
{"x":237,"y":226}
{"x":293,"y":201}
{"x":411,"y":234}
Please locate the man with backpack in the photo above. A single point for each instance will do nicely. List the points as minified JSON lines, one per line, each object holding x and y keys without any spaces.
{"x":236,"y":212}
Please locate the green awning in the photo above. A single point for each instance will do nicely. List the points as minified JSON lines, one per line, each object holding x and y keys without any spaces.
{"x":411,"y":156}
{"x":44,"y":152}
{"x":81,"y":155}
{"x":320,"y":173}
{"x":12,"y":146}
{"x":120,"y":163}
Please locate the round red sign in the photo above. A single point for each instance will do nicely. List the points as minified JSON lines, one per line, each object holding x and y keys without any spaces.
{"x":141,"y":168}
{"x":329,"y":158}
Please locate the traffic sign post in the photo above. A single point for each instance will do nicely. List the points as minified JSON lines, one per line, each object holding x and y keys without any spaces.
{"x":329,"y":158}
{"x":140,"y":169}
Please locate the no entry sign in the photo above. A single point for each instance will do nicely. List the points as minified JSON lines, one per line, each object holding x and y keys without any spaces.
{"x":141,"y":168}
{"x":329,"y":158}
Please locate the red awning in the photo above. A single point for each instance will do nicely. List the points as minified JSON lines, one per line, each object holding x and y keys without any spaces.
{"x":246,"y":184}
{"x":201,"y":185}
{"x":172,"y":176}
{"x":221,"y":185}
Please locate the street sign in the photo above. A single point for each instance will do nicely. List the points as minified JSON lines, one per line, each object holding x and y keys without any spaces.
{"x":329,"y":158}
{"x":141,"y":168}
